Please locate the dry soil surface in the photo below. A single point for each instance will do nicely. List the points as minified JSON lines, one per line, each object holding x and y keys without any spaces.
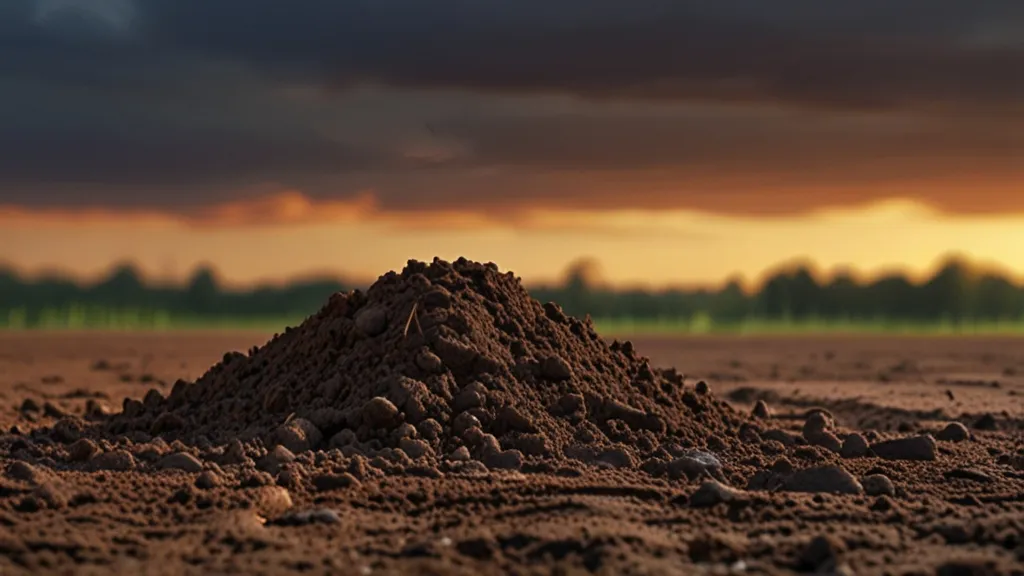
{"x":949,"y":504}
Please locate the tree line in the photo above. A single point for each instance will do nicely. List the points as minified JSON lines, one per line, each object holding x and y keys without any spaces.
{"x":957,"y":292}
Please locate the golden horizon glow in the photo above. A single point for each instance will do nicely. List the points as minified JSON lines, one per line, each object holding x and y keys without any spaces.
{"x":287,"y":235}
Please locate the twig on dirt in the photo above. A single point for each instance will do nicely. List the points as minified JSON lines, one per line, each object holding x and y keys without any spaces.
{"x":288,"y":419}
{"x":412,"y":318}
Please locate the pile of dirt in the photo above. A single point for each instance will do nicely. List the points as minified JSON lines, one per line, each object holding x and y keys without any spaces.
{"x":443,"y":361}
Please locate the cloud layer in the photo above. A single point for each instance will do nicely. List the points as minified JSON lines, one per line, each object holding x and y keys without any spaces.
{"x":734,"y":106}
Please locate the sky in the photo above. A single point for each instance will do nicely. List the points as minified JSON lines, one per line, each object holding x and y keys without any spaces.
{"x":676,"y":141}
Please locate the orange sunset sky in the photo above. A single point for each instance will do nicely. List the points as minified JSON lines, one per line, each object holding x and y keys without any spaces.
{"x":676,"y":142}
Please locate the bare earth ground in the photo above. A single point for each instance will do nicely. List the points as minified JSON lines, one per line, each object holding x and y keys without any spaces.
{"x":960,"y":514}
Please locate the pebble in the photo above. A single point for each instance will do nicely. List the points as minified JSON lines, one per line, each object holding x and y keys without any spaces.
{"x":343,"y":438}
{"x":372,"y":321}
{"x":781,"y":436}
{"x":986,"y":422}
{"x":380,"y":412}
{"x":317,"y":516}
{"x":910,"y":448}
{"x":761,"y":410}
{"x":702,"y":387}
{"x":298,"y":435}
{"x":816,"y":423}
{"x":460,"y":454}
{"x":116,"y":460}
{"x":824,"y":439}
{"x":327,"y":482}
{"x":878,"y":485}
{"x":954,"y":432}
{"x":854,"y":446}
{"x":430,"y":429}
{"x":823,"y":479}
{"x":464,"y":422}
{"x":712,"y":493}
{"x":181,"y":461}
{"x":617,"y":458}
{"x":272,"y":500}
{"x":429,"y":362}
{"x":967,"y":474}
{"x":504,"y":460}
{"x":694,"y":464}
{"x":256,"y":479}
{"x":415,"y":448}
{"x":275,"y":459}
{"x":26,"y":472}
{"x":166,"y":421}
{"x":555,"y":368}
{"x":208,"y":480}
{"x":572,"y":404}
{"x":82,"y":450}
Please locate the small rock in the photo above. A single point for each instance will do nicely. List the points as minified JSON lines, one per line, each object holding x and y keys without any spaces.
{"x":272,"y":500}
{"x":968,"y":474}
{"x":116,"y":460}
{"x":380,"y":412}
{"x":343,"y":438}
{"x":430,"y":429}
{"x":854,"y":446}
{"x":469,"y":399}
{"x":53,"y":411}
{"x":780,"y":436}
{"x":429,"y":362}
{"x":165,"y":422}
{"x":514,"y":419}
{"x":66,"y":430}
{"x":712,"y":493}
{"x":181,"y":461}
{"x":208,"y":480}
{"x":276,"y":458}
{"x":317,"y":516}
{"x":372,"y":321}
{"x":878,"y":485}
{"x":327,"y":482}
{"x":954,"y":432}
{"x":504,"y":460}
{"x":911,"y":448}
{"x":986,"y":422}
{"x":298,"y":435}
{"x":404,"y":430}
{"x":823,"y":479}
{"x":26,"y":472}
{"x":415,"y":448}
{"x":30,"y":405}
{"x":822,"y":553}
{"x":460,"y":454}
{"x":82,"y":450}
{"x":761,"y":410}
{"x":555,"y":368}
{"x":464,"y":422}
{"x":825,"y":439}
{"x":572,"y":404}
{"x":694,"y":464}
{"x":817,"y":423}
{"x":617,"y":458}
{"x":702,"y":387}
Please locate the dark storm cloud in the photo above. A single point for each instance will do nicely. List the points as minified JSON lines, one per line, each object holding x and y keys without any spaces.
{"x":102,"y":99}
{"x":866,"y":54}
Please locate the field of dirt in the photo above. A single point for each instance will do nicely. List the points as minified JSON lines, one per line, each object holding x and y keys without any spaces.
{"x":961,"y":513}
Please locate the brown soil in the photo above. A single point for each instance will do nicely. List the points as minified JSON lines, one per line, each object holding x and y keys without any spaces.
{"x":281,"y":459}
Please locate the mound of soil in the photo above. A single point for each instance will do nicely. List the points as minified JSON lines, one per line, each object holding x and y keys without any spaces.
{"x":439,"y":360}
